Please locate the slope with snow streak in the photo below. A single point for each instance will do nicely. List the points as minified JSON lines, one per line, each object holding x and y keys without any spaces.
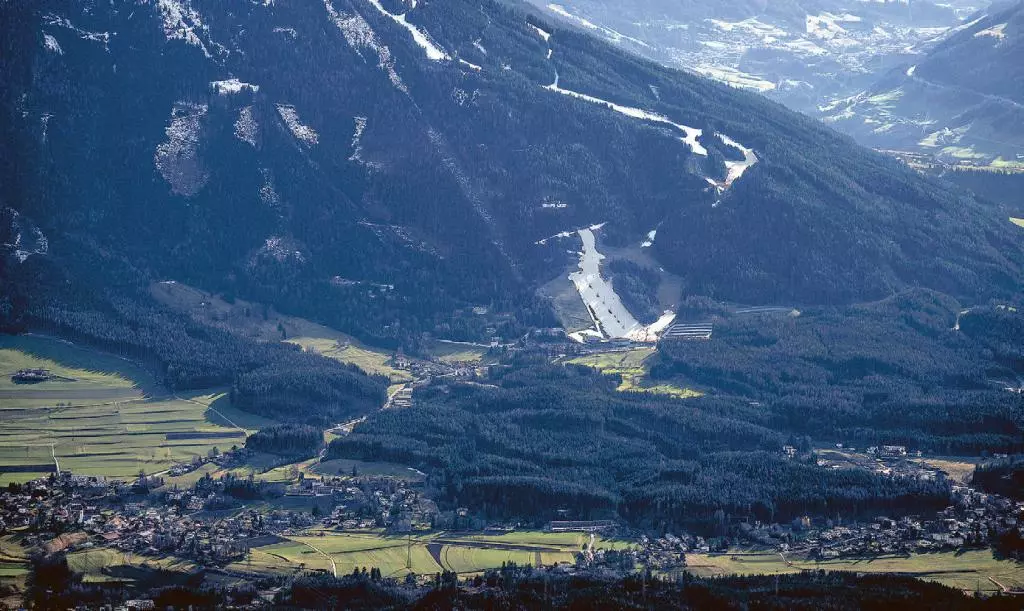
{"x":690,"y":134}
{"x":610,"y":316}
{"x":433,"y":52}
{"x":735,"y":169}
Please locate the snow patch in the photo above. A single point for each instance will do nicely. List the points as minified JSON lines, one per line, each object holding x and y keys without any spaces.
{"x":281,"y":250}
{"x":268,"y":194}
{"x":470,"y":66}
{"x":359,"y":35}
{"x":543,"y":34}
{"x":690,"y":134}
{"x":52,"y":45}
{"x":911,"y":70}
{"x":177,"y":159}
{"x":232,"y":86}
{"x":997,"y":31}
{"x":357,"y":140}
{"x":612,"y":35}
{"x":303,"y":133}
{"x":650,"y":239}
{"x":246,"y":127}
{"x":28,"y":239}
{"x":735,"y":169}
{"x":64,"y":22}
{"x":736,"y":78}
{"x":421,"y":38}
{"x":182,"y":22}
{"x":560,"y":10}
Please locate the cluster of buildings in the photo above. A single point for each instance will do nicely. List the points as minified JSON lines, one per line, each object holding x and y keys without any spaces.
{"x":974,"y":520}
{"x":668,"y":553}
{"x":367,"y":502}
{"x":65,"y":512}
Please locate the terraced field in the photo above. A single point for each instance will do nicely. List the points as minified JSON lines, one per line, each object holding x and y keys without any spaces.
{"x":100,"y":418}
{"x":14,"y":569}
{"x":970,"y":570}
{"x":110,"y":565}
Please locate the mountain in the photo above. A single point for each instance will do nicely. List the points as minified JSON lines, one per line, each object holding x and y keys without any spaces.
{"x":963,"y":102}
{"x":399,"y":168}
{"x":803,"y":53}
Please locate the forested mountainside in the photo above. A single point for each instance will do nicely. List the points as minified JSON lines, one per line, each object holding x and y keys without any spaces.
{"x":379,"y":165}
{"x":536,"y":438}
{"x":1003,"y":188}
{"x":802,"y":53}
{"x":963,"y":101}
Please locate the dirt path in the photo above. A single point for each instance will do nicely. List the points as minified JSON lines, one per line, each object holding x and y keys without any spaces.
{"x":334,"y":567}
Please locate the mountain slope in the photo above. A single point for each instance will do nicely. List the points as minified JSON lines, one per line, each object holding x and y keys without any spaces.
{"x":383,"y":166}
{"x":964,"y":101}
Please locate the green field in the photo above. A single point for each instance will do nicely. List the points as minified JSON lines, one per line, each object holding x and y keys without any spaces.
{"x":348,"y":350}
{"x":428,"y":553}
{"x":343,"y":466}
{"x":14,"y":563}
{"x":969,"y":570}
{"x":96,"y":420}
{"x":633,"y":366}
{"x":456,"y":352}
{"x":1016,"y":221}
{"x":107,"y":564}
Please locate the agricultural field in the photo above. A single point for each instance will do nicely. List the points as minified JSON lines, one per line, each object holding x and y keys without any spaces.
{"x":105,"y":564}
{"x":1016,"y":221}
{"x":633,"y":366}
{"x":343,"y":466}
{"x":14,"y":568}
{"x":428,"y":553}
{"x":348,"y":350}
{"x":958,"y":468}
{"x":457,"y":352}
{"x":100,"y":418}
{"x":970,"y":570}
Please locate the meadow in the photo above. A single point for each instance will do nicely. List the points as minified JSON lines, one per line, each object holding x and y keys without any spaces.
{"x":633,"y":366}
{"x":103,"y":416}
{"x":970,"y":570}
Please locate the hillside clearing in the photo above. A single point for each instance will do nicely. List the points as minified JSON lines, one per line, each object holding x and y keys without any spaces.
{"x":633,"y":366}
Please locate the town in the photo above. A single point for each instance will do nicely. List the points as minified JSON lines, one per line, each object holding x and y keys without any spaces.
{"x":214,"y":521}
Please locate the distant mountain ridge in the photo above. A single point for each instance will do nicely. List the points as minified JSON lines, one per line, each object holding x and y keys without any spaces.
{"x":963,"y":102}
{"x":383,"y":166}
